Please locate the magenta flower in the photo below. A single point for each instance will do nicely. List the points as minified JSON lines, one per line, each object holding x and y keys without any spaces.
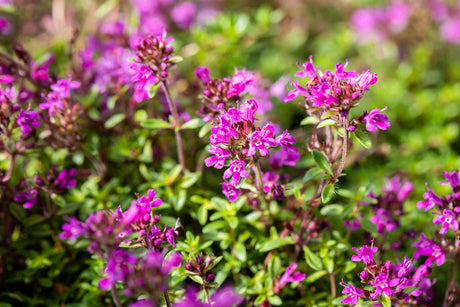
{"x":230,"y":191}
{"x":286,"y":141}
{"x":261,"y":140}
{"x":374,"y":119}
{"x":447,"y":218}
{"x":119,"y":266}
{"x":365,"y":254}
{"x":430,"y":201}
{"x":450,"y":31}
{"x":353,"y":294}
{"x":382,"y":219}
{"x":383,"y":284}
{"x":183,"y":14}
{"x":73,"y":230}
{"x":28,"y":198}
{"x":297,"y":91}
{"x":452,"y":178}
{"x":149,"y":200}
{"x":237,"y":171}
{"x":26,"y":119}
{"x":63,"y":87}
{"x":291,"y":276}
{"x":308,"y":70}
{"x":428,"y":248}
{"x":52,"y":102}
{"x":218,"y":160}
{"x":65,"y":179}
{"x":203,"y":74}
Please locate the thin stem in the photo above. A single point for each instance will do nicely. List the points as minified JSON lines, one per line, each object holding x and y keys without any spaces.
{"x":172,"y":108}
{"x":116,"y":298}
{"x":344,"y":147}
{"x":333,"y":287}
{"x":453,"y":268}
{"x":168,"y":302}
{"x":206,"y":292}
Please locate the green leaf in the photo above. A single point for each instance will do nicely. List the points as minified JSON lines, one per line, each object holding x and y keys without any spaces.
{"x":332,"y":210}
{"x":310,"y":120}
{"x":327,"y":193}
{"x":153,"y":89}
{"x":363,"y":138}
{"x":327,"y":122}
{"x":275,"y":300}
{"x":328,"y":114}
{"x":368,"y":226}
{"x":205,"y":130}
{"x":329,"y":264}
{"x":321,"y":161}
{"x":214,"y":226}
{"x":193,"y":124}
{"x":215,"y":262}
{"x":338,"y":300}
{"x":202,"y":215}
{"x":240,"y":251}
{"x":312,"y":259}
{"x":189,"y":180}
{"x":156,"y":123}
{"x":273,"y":244}
{"x":315,"y":276}
{"x":260,"y":299}
{"x":312,"y":173}
{"x":233,"y":222}
{"x":385,"y":300}
{"x":114,"y":120}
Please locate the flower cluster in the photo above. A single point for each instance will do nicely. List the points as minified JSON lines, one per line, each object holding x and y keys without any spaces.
{"x":337,"y":92}
{"x":447,"y":208}
{"x":137,"y":227}
{"x":238,"y":143}
{"x":146,"y":274}
{"x":289,"y":276}
{"x":388,"y":279}
{"x":388,"y":207}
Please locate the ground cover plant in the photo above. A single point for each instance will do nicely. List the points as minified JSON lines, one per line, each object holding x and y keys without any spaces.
{"x":220,"y":153}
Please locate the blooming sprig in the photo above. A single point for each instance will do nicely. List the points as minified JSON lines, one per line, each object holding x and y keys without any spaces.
{"x":388,"y":280}
{"x":237,"y":142}
{"x":336,"y":92}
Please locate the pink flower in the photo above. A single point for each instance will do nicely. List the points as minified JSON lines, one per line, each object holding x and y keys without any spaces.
{"x":447,"y":218}
{"x":374,"y":119}
{"x":218,"y":160}
{"x":353,"y":294}
{"x":365,"y":254}
{"x":237,"y":171}
{"x":290,"y":276}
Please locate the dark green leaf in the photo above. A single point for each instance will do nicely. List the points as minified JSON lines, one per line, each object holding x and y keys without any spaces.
{"x":312,"y":173}
{"x":18,"y":211}
{"x":206,"y":129}
{"x":214,"y":226}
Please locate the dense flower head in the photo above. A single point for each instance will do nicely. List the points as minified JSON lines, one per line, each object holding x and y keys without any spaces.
{"x":390,"y":279}
{"x":365,"y":254}
{"x":428,"y":248}
{"x":156,"y":53}
{"x":448,"y":218}
{"x":328,"y":90}
{"x":383,"y":220}
{"x":237,"y":141}
{"x":28,"y":119}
